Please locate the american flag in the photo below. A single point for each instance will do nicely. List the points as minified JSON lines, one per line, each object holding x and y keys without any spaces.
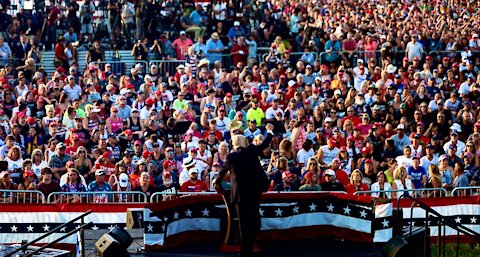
{"x":200,"y":217}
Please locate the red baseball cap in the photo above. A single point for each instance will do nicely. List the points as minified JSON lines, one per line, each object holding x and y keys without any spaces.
{"x":167,"y":163}
{"x":130,"y":86}
{"x":149,"y":101}
{"x":30,"y":120}
{"x":228,"y":94}
{"x":106,"y":155}
{"x":21,"y":115}
{"x":446,"y":59}
{"x":405,"y":59}
{"x":332,"y":140}
{"x":128,"y":132}
{"x":352,"y":138}
{"x":147,"y":153}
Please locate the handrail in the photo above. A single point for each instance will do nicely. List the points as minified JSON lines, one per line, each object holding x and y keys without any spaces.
{"x":59,"y":239}
{"x":50,"y":232}
{"x":448,"y":221}
{"x":441,"y":192}
{"x":457,"y":189}
{"x":21,"y":196}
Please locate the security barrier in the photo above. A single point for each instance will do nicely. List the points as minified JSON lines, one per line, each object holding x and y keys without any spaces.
{"x":417,"y":193}
{"x":167,"y":68}
{"x":97,"y":197}
{"x":123,"y":67}
{"x":295,"y":56}
{"x":167,"y":195}
{"x":465,"y":191}
{"x":21,"y":196}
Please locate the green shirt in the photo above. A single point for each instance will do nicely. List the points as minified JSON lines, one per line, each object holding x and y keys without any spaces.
{"x":256,"y":115}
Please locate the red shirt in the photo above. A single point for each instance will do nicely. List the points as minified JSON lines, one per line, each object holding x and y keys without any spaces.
{"x":352,"y":189}
{"x":53,"y":15}
{"x":218,"y":134}
{"x":108,"y":168}
{"x":199,"y":186}
{"x":355,"y":120}
{"x":60,"y":52}
{"x":239,"y":57}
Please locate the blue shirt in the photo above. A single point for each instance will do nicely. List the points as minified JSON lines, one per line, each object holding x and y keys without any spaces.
{"x":417,"y":175}
{"x":196,"y":16}
{"x":94,"y":187}
{"x":212,"y":45}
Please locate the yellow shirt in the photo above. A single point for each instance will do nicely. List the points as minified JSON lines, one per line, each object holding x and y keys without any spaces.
{"x":256,"y":115}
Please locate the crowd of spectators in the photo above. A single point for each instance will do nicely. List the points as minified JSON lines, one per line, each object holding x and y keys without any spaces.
{"x":384,"y":95}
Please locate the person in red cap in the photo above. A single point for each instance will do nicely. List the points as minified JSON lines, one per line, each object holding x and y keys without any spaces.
{"x":326,"y":153}
{"x":340,"y":175}
{"x":146,"y":110}
{"x":29,"y":183}
{"x":74,"y":144}
{"x":104,"y":163}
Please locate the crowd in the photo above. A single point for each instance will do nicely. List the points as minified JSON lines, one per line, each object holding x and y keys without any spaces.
{"x":384,"y":96}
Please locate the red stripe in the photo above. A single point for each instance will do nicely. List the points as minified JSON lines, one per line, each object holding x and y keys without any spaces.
{"x":67,"y":207}
{"x":315,"y":232}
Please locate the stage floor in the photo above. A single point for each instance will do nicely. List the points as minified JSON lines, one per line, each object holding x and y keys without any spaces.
{"x":311,"y":248}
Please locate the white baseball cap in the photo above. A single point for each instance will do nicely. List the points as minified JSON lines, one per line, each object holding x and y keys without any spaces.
{"x":400,"y":126}
{"x":123,"y":180}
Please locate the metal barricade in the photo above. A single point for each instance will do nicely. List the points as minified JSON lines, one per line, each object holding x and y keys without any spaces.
{"x":98,"y":197}
{"x":417,"y":193}
{"x":167,"y":195}
{"x":465,"y":191}
{"x":167,"y":67}
{"x":296,"y":56}
{"x":21,"y":196}
{"x":121,"y":68}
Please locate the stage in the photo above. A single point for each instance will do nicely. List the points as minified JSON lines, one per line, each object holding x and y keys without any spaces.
{"x":306,"y":248}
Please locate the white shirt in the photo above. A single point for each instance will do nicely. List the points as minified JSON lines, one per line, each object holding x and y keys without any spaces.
{"x":184,"y":176}
{"x":303,"y":156}
{"x":402,"y":160}
{"x":425,"y":162}
{"x":358,"y":78}
{"x":460,"y":147}
{"x":271,"y":113}
{"x":222,"y":8}
{"x":73,"y":93}
{"x":464,"y":88}
{"x":222,"y":124}
{"x":38,"y":168}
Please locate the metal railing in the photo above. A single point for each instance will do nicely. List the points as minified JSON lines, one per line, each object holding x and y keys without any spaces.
{"x":166,"y":68}
{"x":21,"y":196}
{"x":97,"y":197}
{"x":121,"y":68}
{"x":464,"y":191}
{"x":167,"y":195}
{"x":417,"y":193}
{"x":54,"y":230}
{"x":294,"y":57}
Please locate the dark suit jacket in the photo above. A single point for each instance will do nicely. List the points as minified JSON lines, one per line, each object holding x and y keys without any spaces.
{"x":19,"y":52}
{"x":247,"y":176}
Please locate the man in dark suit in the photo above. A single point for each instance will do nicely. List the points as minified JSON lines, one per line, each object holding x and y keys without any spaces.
{"x":248,"y":182}
{"x":21,"y":50}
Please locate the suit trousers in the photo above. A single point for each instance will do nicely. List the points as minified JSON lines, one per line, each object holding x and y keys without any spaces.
{"x":249,"y":223}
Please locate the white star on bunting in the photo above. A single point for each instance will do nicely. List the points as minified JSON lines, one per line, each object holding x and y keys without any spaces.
{"x":458,"y":220}
{"x":261,"y":211}
{"x":63,"y":229}
{"x":206,"y":212}
{"x":278,"y":212}
{"x":175,"y":215}
{"x":95,"y":227}
{"x":150,"y":227}
{"x":111,"y":226}
{"x":330,"y":207}
{"x":412,"y":223}
{"x":385,"y":223}
{"x":295,"y":209}
{"x":473,"y":220}
{"x":164,"y":227}
{"x":30,"y":228}
{"x":346,"y":210}
{"x":14,"y":228}
{"x":46,"y":228}
{"x":165,"y":218}
{"x":313,"y":207}
{"x":363,"y":214}
{"x":188,"y":213}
